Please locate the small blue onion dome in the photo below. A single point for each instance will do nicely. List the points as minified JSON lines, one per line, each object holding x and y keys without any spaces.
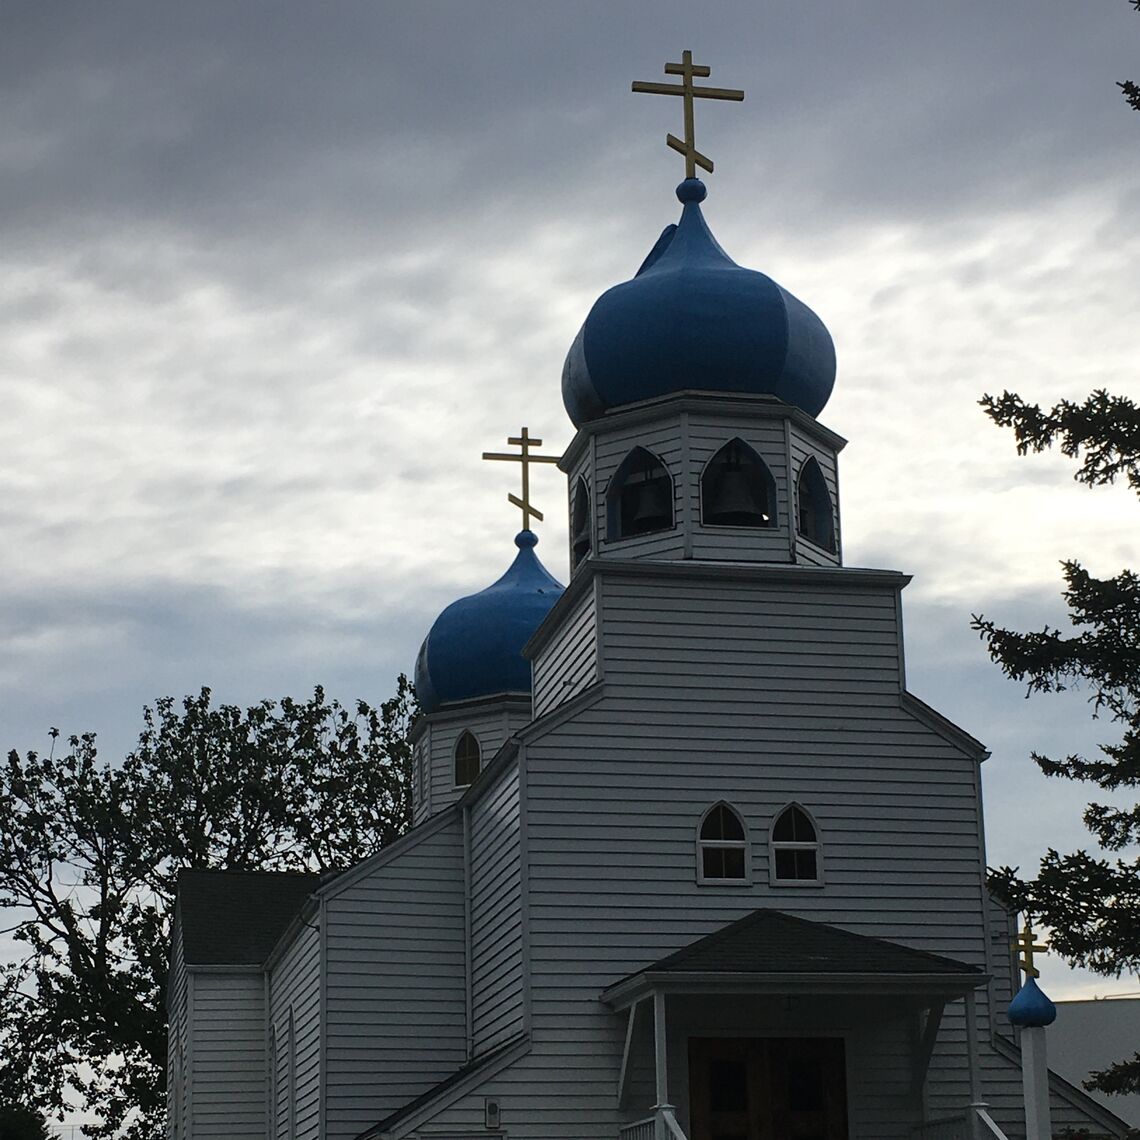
{"x":1031,"y":1008}
{"x":474,"y":647}
{"x":693,"y":318}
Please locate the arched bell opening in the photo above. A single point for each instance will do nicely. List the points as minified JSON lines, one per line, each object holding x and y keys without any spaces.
{"x":581,"y":539}
{"x":737,"y":489}
{"x":814,"y":518}
{"x":640,"y":496}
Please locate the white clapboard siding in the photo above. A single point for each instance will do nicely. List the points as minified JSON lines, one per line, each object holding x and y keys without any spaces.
{"x":715,"y":691}
{"x":395,"y":979}
{"x":179,"y":1055}
{"x":496,"y":914}
{"x":228,"y":1095}
{"x":295,"y":999}
{"x":491,"y":721}
{"x":568,"y":662}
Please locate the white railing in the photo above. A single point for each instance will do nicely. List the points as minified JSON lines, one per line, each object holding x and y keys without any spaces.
{"x":973,"y":1124}
{"x":639,"y":1130}
{"x":947,"y":1128}
{"x":662,"y":1125}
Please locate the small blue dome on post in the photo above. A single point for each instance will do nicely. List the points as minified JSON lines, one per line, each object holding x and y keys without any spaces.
{"x":1031,"y":1008}
{"x":474,"y":647}
{"x":693,"y":318}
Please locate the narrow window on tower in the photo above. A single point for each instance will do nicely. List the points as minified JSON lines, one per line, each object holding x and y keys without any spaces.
{"x":813,"y":514}
{"x":466,"y":760}
{"x":580,"y":521}
{"x":722,"y":847}
{"x":640,"y":496}
{"x":795,"y":850}
{"x":737,"y":489}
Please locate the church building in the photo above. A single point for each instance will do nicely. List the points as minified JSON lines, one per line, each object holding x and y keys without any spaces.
{"x":689,"y":861}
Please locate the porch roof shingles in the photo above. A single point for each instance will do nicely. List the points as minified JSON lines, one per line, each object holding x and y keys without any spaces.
{"x":769,"y":945}
{"x":234,"y":918}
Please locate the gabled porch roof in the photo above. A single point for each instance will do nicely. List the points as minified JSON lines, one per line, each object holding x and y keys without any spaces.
{"x":768,"y":951}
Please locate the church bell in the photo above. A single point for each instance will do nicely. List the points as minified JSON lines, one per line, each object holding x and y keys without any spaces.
{"x":735,"y":502}
{"x":650,"y":508}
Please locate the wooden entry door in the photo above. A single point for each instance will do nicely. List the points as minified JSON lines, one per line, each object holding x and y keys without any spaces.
{"x":767,"y":1088}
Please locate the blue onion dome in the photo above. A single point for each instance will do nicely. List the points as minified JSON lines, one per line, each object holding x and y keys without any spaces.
{"x":1031,"y":1008}
{"x":693,"y":318}
{"x":474,"y":648}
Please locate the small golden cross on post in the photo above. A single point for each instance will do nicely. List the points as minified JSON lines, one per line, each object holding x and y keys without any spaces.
{"x":524,"y":443}
{"x":1025,"y":947}
{"x":688,"y":70}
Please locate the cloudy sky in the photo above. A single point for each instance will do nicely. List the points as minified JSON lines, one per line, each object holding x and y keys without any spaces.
{"x":276,"y":274}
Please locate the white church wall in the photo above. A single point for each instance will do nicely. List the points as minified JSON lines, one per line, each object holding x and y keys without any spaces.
{"x":295,"y":1013}
{"x":227,"y":1030}
{"x":568,"y":662}
{"x":760,"y":690}
{"x":179,"y":1054}
{"x":395,"y":987}
{"x":496,"y":914}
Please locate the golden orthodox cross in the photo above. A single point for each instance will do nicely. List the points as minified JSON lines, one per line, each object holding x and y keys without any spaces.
{"x":688,"y":70}
{"x":1025,"y":947}
{"x":524,"y":443}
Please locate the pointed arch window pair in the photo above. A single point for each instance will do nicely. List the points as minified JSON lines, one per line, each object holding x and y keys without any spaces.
{"x":467,"y":759}
{"x":793,"y":848}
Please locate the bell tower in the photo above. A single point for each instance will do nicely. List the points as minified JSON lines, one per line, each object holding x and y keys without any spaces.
{"x":694,"y":388}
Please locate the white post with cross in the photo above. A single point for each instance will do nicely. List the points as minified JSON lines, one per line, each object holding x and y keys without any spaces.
{"x":1031,"y":1011}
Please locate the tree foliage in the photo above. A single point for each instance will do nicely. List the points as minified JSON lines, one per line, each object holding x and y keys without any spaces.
{"x":1132,"y":90}
{"x":1092,"y":903}
{"x":19,"y":1123}
{"x":90,"y":851}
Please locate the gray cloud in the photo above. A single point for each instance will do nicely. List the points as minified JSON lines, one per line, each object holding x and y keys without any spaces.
{"x":276,"y":274}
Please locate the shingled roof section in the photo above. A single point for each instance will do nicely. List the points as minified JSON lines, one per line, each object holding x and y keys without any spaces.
{"x":234,"y":918}
{"x":770,"y":942}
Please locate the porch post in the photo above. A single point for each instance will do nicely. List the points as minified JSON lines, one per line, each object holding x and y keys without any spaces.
{"x":660,"y":1048}
{"x":972,"y":1061}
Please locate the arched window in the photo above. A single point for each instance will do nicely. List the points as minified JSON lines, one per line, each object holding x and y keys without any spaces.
{"x":640,"y":496}
{"x":722,"y":847}
{"x":813,"y":516}
{"x":737,"y":489}
{"x":466,"y":760}
{"x":580,"y":523}
{"x":796,"y":857}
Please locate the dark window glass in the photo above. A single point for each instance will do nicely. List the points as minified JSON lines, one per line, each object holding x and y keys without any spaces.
{"x":722,"y":823}
{"x":796,"y":865}
{"x":466,"y":760}
{"x":580,"y":528}
{"x":793,"y":826}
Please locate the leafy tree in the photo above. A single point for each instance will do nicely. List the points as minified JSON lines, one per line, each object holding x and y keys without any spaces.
{"x":18,"y":1123}
{"x":1091,"y":902}
{"x":1132,"y":90}
{"x":90,"y":851}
